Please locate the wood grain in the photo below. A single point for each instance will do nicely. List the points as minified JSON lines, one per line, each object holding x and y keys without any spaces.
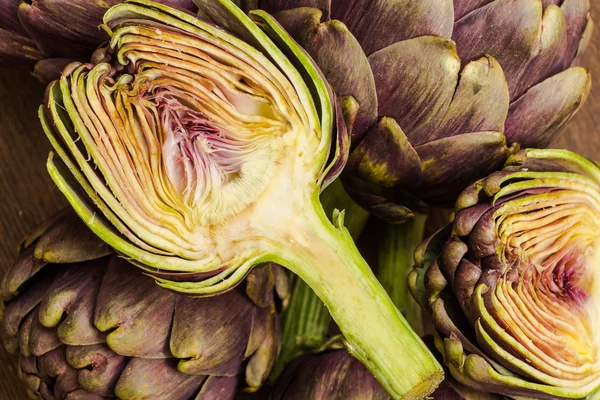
{"x":28,"y":196}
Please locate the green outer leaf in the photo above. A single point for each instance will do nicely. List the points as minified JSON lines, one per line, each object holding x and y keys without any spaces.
{"x":565,"y":155}
{"x":322,"y":88}
{"x":547,"y":181}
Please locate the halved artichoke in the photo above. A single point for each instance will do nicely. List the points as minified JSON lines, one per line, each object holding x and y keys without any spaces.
{"x":197,"y":148}
{"x":512,"y":284}
{"x":89,"y":325}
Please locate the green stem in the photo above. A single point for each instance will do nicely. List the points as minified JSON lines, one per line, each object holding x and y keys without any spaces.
{"x":304,"y":325}
{"x":306,"y":321}
{"x":326,"y":258}
{"x":395,"y":263}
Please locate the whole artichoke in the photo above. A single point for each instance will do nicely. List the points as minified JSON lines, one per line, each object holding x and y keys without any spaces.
{"x":512,"y":283}
{"x":437,"y":89}
{"x":49,"y":34}
{"x":87,"y":324}
{"x":198,"y":148}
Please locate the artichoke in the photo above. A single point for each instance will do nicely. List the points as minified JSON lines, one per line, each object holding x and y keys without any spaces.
{"x":512,"y":285}
{"x":87,"y":324}
{"x":198,"y":148}
{"x":46,"y":35}
{"x":430,"y":84}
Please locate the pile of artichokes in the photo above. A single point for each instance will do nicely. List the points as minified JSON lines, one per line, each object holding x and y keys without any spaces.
{"x":198,"y":143}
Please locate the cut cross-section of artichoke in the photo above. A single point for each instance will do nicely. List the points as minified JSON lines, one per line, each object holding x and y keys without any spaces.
{"x":198,"y":148}
{"x":514,"y":288}
{"x":544,"y":308}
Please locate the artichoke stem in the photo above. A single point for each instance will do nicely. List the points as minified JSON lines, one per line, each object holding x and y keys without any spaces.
{"x":395,"y":262}
{"x":306,"y":321}
{"x":375,"y":332}
{"x":304,"y":325}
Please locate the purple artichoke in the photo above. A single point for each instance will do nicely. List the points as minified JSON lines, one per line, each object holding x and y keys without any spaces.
{"x":435,"y":90}
{"x":46,"y":35}
{"x":87,"y":324}
{"x":512,"y":283}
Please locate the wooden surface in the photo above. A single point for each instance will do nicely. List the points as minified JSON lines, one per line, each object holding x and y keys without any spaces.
{"x":28,"y":196}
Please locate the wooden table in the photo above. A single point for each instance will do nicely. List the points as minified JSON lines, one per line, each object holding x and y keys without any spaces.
{"x":28,"y":196}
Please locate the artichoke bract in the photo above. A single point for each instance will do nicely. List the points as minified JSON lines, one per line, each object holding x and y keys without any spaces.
{"x":46,"y":35}
{"x":87,"y":324}
{"x":438,"y":91}
{"x":512,"y":283}
{"x":198,"y":148}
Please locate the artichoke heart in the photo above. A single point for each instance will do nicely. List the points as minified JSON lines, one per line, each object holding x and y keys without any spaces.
{"x":513,"y":287}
